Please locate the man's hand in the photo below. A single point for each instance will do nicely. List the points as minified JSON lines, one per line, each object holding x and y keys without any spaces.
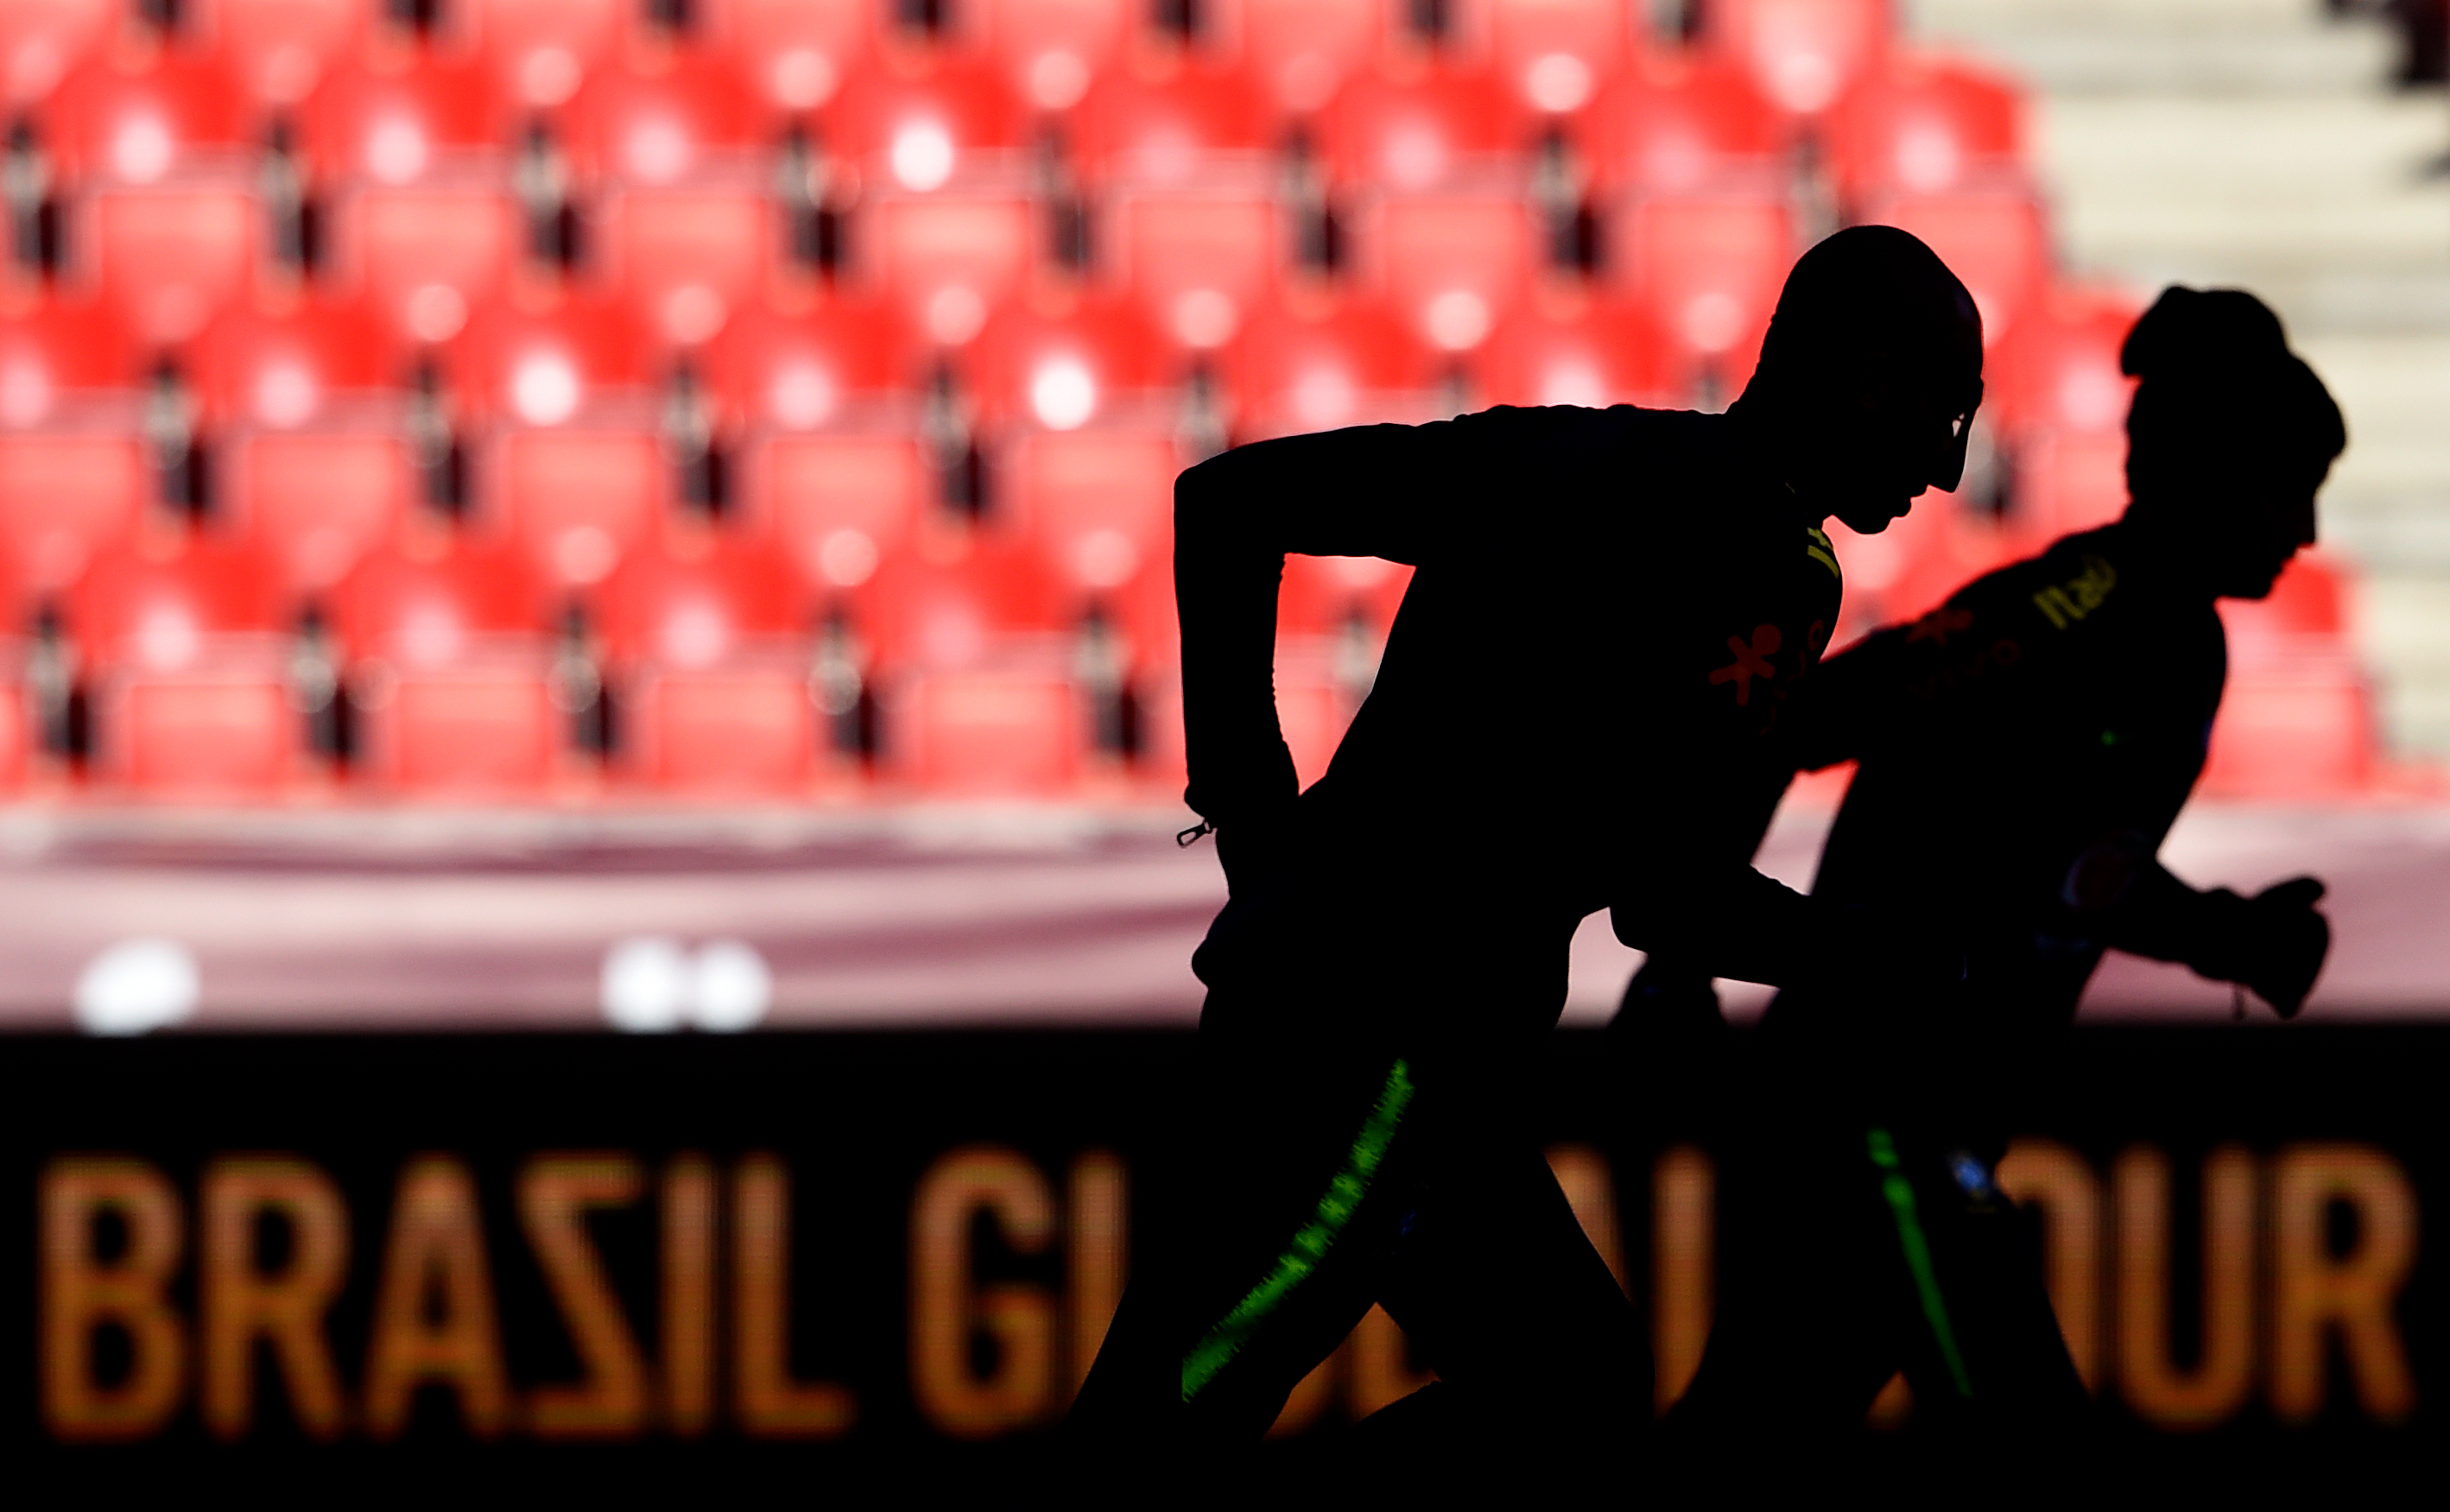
{"x":2284,"y":941}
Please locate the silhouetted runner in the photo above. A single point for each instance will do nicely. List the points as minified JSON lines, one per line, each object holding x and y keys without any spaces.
{"x":2024,"y":749}
{"x":1611,"y":613}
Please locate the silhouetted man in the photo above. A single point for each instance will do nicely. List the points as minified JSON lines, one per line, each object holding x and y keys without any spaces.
{"x":1611,"y":611}
{"x":2024,"y":750}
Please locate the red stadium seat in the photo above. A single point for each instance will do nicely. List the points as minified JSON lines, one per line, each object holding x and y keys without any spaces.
{"x":154,"y":603}
{"x":835,"y":506}
{"x":1061,"y":372}
{"x":1450,"y":264}
{"x":1803,"y":55}
{"x":660,"y":126}
{"x":1050,"y":51}
{"x":798,"y":372}
{"x":548,"y":367}
{"x":1923,"y":126}
{"x":924,"y":132}
{"x":395,"y":118}
{"x":427,"y":255}
{"x":66,"y":498}
{"x":1293,"y":371}
{"x":2068,"y":480}
{"x":1992,"y":235}
{"x":170,"y":254}
{"x":451,"y":679}
{"x":1300,"y":52}
{"x":1416,"y":133}
{"x":313,"y":502}
{"x":1200,"y":261}
{"x":136,"y":119}
{"x":1097,"y":504}
{"x":191,"y":691}
{"x":54,"y":350}
{"x":284,"y":369}
{"x":218,"y":726}
{"x":279,"y":50}
{"x":1706,"y":269}
{"x":578,"y":501}
{"x":1678,"y":124}
{"x":948,"y":260}
{"x":954,"y":600}
{"x":1556,"y":54}
{"x":717,"y":683}
{"x":686,"y":258}
{"x":1013,"y":728}
{"x":540,"y":52}
{"x":692,"y":602}
{"x":1594,"y":355}
{"x":794,"y":54}
{"x":41,"y":40}
{"x":1171,"y":132}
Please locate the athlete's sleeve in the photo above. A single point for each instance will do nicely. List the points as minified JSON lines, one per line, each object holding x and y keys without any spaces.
{"x":1384,"y":491}
{"x":1901,"y":680}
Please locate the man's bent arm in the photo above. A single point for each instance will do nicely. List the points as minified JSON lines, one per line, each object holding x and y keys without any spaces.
{"x":1368,"y":491}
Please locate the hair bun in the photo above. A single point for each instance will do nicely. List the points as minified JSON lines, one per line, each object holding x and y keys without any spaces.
{"x":2199,"y":330}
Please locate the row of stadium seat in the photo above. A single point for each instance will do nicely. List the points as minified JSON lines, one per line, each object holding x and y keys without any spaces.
{"x":1549,"y":56}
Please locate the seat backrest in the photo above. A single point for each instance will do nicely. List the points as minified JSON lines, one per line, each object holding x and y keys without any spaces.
{"x":540,"y":52}
{"x":948,"y":260}
{"x":1051,"y":50}
{"x":988,"y":732}
{"x":797,"y":373}
{"x":1414,"y":134}
{"x":1301,"y":51}
{"x":1098,"y":504}
{"x":158,"y":605}
{"x":41,"y":40}
{"x":1199,"y":261}
{"x":316,"y":501}
{"x":1556,"y":54}
{"x":221,"y":728}
{"x":1682,"y":125}
{"x":1288,"y":372}
{"x":426,"y":256}
{"x":1139,"y":133}
{"x":278,"y":50}
{"x":1923,"y":125}
{"x":698,"y":608}
{"x":50,"y":352}
{"x":173,"y":255}
{"x":837,"y":507}
{"x":1706,"y":267}
{"x":1803,"y":55}
{"x":1452,"y":263}
{"x":1061,"y":372}
{"x":1603,"y":353}
{"x":580,"y":500}
{"x":658,"y":127}
{"x":924,"y":131}
{"x":685,"y":258}
{"x":285,"y":369}
{"x":140,"y":124}
{"x":66,"y":498}
{"x":795,"y":54}
{"x":394,"y":124}
{"x":433,"y":601}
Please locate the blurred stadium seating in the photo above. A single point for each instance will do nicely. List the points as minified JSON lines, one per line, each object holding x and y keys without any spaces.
{"x":778,"y":398}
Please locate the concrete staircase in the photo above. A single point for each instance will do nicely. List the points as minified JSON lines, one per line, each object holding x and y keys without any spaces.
{"x":2255,"y":143}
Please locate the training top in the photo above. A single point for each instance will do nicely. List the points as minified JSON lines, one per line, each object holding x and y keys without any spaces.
{"x":2024,"y":750}
{"x":1610,"y":614}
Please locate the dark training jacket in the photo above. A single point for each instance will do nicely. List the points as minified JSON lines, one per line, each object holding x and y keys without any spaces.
{"x":2024,"y":750}
{"x":1579,"y":700}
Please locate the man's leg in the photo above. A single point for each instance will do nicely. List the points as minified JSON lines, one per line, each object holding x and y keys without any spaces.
{"x":1268,"y":1239}
{"x":1544,"y":1368}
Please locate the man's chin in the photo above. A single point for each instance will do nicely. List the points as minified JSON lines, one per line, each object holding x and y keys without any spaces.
{"x":1871,"y":516}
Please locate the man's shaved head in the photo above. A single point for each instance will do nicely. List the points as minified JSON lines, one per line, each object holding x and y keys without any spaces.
{"x":1870,"y":375}
{"x":1874,"y":290}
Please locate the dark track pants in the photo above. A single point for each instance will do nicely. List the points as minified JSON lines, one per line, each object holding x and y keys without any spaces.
{"x":1853,"y":1248}
{"x":1326,"y":1166}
